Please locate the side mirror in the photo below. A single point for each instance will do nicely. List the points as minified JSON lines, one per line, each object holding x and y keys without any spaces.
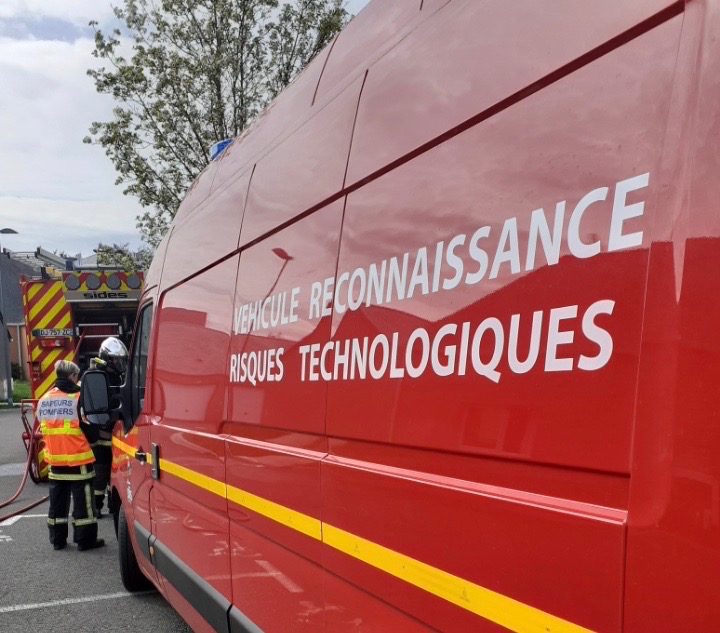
{"x":95,"y":396}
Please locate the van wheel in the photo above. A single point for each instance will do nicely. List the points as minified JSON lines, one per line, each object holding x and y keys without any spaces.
{"x":132,"y":577}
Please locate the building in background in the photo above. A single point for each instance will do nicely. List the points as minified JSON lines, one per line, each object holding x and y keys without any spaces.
{"x":10,"y":272}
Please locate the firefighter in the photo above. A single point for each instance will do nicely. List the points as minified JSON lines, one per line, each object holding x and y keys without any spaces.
{"x":112,"y":359}
{"x":71,"y":461}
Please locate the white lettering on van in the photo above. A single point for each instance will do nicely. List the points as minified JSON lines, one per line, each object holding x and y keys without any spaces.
{"x":577,"y":247}
{"x":257,"y":367}
{"x":597,"y":335}
{"x":479,"y":255}
{"x":622,"y":212}
{"x":454,"y":261}
{"x":605,"y":219}
{"x":508,"y":249}
{"x":315,"y":292}
{"x":557,"y":337}
{"x":327,"y":296}
{"x":540,"y":229}
{"x":516,"y":365}
{"x":488,"y":369}
{"x":488,"y":346}
{"x":419,"y":275}
{"x":397,"y":278}
{"x":356,"y":289}
{"x":339,"y":306}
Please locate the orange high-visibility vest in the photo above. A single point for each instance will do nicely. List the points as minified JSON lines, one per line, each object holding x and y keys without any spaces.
{"x":65,"y":443}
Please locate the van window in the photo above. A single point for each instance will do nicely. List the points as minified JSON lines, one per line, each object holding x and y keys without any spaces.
{"x":139,"y":361}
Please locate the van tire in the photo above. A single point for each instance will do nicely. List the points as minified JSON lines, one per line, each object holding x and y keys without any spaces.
{"x":132,"y":577}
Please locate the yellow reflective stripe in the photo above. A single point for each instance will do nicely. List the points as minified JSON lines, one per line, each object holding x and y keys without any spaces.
{"x":62,"y":431}
{"x":126,"y":448}
{"x":33,"y":289}
{"x":51,"y":314}
{"x":89,"y":475}
{"x":88,"y":505}
{"x":493,"y":606}
{"x":77,"y":522}
{"x":308,"y":525}
{"x":48,"y":361}
{"x":72,"y":457}
{"x":103,"y":443}
{"x":202,"y":481}
{"x":50,"y":295}
{"x":488,"y":604}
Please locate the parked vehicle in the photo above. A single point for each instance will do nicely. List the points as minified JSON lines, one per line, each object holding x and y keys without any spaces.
{"x":67,"y":317}
{"x":432,"y":345}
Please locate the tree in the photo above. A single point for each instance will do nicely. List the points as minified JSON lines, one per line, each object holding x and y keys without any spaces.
{"x":187,"y":73}
{"x":121,"y":257}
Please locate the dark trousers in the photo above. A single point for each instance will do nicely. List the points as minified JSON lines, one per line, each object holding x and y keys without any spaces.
{"x":75,"y":482}
{"x":103,"y":463}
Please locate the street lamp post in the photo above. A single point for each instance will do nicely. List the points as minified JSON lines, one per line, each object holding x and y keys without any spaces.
{"x":4,"y":333}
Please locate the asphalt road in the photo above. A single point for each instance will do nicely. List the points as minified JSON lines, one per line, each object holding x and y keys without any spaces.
{"x":42,"y":590}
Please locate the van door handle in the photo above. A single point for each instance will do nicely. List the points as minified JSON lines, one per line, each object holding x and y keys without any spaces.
{"x":155,"y":451}
{"x":141,"y":456}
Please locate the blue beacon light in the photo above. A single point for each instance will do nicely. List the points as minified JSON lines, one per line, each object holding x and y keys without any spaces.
{"x":218,"y":148}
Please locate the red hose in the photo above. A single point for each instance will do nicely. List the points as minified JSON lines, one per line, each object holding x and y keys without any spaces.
{"x":24,"y":508}
{"x":31,"y":454}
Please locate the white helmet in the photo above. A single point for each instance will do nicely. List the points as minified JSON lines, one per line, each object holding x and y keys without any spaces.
{"x":115,"y":355}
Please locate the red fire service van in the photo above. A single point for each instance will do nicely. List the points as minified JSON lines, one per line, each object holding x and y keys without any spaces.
{"x":434,"y":345}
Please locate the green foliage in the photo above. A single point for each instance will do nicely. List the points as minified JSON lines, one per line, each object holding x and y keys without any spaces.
{"x":185,"y":74}
{"x":21,"y":390}
{"x":120,"y":256}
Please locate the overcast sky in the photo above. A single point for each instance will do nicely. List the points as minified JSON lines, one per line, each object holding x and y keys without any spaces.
{"x":55,"y":191}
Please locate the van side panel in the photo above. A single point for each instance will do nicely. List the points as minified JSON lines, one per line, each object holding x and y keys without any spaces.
{"x":276,"y":577}
{"x":197,"y":242}
{"x":346,"y":608}
{"x":579,"y":150}
{"x":515,"y":425}
{"x":189,"y":403}
{"x":673,"y":565}
{"x":276,"y":309}
{"x":368,"y":33}
{"x":198,"y":191}
{"x":468,"y":57}
{"x":280,"y":118}
{"x":304,"y":170}
{"x":277,"y":423}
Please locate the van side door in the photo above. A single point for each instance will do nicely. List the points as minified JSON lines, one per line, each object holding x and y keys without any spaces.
{"x":190,"y":523}
{"x":132,"y":467}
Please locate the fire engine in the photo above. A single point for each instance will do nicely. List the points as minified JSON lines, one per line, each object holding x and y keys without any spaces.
{"x":69,"y":314}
